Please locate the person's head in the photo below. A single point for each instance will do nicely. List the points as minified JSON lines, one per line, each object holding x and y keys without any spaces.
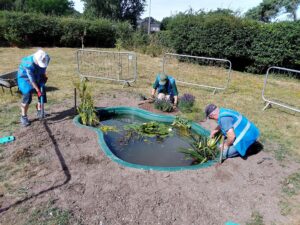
{"x":212,"y":111}
{"x":41,"y":58}
{"x":163,"y":79}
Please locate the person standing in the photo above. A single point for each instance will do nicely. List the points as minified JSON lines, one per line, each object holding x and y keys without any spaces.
{"x":31,"y":77}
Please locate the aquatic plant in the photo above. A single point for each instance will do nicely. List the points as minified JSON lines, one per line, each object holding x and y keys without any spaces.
{"x":150,"y":129}
{"x":203,"y":149}
{"x":86,"y":109}
{"x":106,"y":129}
{"x":181,"y":122}
{"x":163,"y":105}
{"x":186,"y":102}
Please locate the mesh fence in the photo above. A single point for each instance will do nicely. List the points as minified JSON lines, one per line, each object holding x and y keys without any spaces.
{"x":119,"y":66}
{"x":198,"y":71}
{"x":278,"y":90}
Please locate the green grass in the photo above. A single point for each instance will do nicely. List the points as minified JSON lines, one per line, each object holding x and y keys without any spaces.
{"x":256,"y":219}
{"x":49,"y":215}
{"x":290,"y":192}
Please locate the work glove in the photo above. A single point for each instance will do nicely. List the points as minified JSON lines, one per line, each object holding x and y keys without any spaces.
{"x":39,"y":93}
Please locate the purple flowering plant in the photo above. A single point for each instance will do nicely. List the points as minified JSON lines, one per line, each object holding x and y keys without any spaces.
{"x":186,"y":102}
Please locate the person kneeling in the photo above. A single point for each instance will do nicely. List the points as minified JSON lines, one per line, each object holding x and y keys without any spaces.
{"x":166,"y":89}
{"x":239,"y":132}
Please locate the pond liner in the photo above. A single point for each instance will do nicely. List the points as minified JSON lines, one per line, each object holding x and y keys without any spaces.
{"x":149,"y":116}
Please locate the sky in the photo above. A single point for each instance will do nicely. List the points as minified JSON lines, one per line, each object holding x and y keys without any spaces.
{"x":165,"y":8}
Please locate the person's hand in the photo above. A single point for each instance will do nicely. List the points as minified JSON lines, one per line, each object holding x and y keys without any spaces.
{"x":152,"y":97}
{"x":39,"y":93}
{"x":213,"y":133}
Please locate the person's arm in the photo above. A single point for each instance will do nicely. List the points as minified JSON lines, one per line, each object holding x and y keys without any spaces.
{"x":214,"y":131}
{"x":175,"y":100}
{"x":154,"y":87}
{"x":153,"y":93}
{"x":230,"y":138}
{"x":32,"y":81}
{"x":175,"y":93}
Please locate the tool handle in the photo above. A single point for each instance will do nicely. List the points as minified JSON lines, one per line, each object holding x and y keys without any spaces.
{"x":42,"y":100}
{"x":222,"y":148}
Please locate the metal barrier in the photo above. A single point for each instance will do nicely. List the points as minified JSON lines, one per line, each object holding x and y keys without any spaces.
{"x":210,"y":70}
{"x":270,"y":102}
{"x":106,"y":65}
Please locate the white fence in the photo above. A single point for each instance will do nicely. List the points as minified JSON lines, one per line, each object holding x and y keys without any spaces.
{"x":106,"y":65}
{"x":211,"y":73}
{"x":286,"y":91}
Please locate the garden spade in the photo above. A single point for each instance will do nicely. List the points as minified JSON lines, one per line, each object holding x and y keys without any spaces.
{"x":42,"y":101}
{"x":221,"y":149}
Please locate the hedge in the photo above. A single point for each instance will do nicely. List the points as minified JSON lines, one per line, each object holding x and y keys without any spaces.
{"x":250,"y":45}
{"x":31,"y":29}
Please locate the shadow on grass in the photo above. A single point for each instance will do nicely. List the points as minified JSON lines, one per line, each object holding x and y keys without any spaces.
{"x":62,"y":164}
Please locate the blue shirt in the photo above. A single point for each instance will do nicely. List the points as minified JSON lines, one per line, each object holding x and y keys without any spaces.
{"x":169,"y":88}
{"x":29,"y":72}
{"x":226,"y":123}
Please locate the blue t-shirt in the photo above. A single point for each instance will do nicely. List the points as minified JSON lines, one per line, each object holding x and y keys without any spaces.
{"x":169,"y":88}
{"x":226,"y":123}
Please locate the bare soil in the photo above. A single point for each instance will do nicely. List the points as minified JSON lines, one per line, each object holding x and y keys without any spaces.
{"x":64,"y":163}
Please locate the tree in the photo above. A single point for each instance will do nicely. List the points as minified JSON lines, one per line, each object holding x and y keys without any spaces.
{"x":48,"y":7}
{"x":270,"y":9}
{"x":115,"y":9}
{"x":6,"y":4}
{"x":291,"y":7}
{"x":265,"y":11}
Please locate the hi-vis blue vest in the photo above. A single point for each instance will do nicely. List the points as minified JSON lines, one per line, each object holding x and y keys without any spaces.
{"x":169,"y":87}
{"x":246,"y":133}
{"x":28,"y":65}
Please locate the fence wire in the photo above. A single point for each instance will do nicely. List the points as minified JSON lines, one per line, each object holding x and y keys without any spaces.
{"x":212,"y":73}
{"x":115,"y":66}
{"x":278,"y":91}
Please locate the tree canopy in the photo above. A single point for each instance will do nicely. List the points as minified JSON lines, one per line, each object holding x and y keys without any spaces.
{"x":115,"y":9}
{"x":270,"y":9}
{"x":47,"y":7}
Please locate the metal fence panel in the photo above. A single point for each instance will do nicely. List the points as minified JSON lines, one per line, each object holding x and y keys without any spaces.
{"x":106,"y":65}
{"x":212,"y":73}
{"x":278,"y":85}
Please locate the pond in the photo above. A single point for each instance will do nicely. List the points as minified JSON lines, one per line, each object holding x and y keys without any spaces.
{"x":150,"y":151}
{"x":144,"y":152}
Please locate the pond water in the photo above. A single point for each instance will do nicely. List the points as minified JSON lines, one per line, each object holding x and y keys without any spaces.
{"x":149,"y":151}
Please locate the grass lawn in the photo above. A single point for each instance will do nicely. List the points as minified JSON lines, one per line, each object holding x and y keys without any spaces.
{"x":279,"y":127}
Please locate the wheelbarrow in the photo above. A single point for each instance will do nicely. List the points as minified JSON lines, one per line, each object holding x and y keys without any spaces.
{"x":8,"y":80}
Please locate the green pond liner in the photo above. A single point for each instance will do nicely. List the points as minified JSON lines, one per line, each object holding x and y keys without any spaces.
{"x":119,"y":110}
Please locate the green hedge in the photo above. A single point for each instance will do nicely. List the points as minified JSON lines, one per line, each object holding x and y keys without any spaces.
{"x":31,"y":29}
{"x":251,"y":46}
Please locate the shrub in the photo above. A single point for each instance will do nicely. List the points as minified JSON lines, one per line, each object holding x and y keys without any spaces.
{"x":32,"y":29}
{"x":86,"y":109}
{"x":186,"y":102}
{"x":250,"y":45}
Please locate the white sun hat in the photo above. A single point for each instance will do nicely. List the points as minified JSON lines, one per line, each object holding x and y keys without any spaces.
{"x":41,"y":58}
